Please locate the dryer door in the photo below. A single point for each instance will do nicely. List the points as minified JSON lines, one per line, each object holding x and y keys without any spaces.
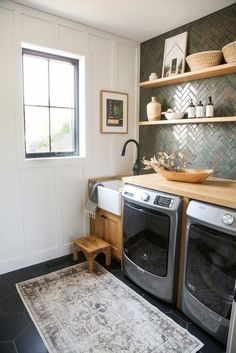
{"x":211,"y":268}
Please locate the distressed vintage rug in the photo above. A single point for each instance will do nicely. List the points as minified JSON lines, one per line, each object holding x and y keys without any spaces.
{"x":78,"y":312}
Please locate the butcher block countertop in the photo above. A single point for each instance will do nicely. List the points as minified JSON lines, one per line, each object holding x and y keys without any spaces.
{"x":213,"y":190}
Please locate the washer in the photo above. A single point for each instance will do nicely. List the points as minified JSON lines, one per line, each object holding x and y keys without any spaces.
{"x":151,"y":235}
{"x":209,"y":267}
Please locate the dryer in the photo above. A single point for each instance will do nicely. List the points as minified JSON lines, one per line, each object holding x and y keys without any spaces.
{"x":209,"y":267}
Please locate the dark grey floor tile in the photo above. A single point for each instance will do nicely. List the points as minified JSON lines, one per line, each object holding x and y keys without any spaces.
{"x":29,"y":341}
{"x":121,"y":276}
{"x":115,"y":265}
{"x":137,"y":289}
{"x":12,"y":304}
{"x":158,"y":303}
{"x":181,"y":315}
{"x":7,"y":277}
{"x":7,"y":347}
{"x":211,"y":345}
{"x":12,"y":325}
{"x":177,"y":319}
{"x":4,"y":290}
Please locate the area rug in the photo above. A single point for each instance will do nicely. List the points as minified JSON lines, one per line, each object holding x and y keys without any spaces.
{"x":79,"y":312}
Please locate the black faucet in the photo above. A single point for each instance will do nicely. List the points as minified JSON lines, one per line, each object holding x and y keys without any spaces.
{"x":136,"y":166}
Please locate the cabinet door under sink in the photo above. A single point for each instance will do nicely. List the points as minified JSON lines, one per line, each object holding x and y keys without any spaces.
{"x":108,"y":227}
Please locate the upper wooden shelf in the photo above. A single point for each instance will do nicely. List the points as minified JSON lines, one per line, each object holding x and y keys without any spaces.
{"x":190,"y":76}
{"x":190,"y":121}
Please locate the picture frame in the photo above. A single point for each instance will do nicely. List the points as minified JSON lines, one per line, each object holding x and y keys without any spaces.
{"x":114,"y":112}
{"x":174,"y":55}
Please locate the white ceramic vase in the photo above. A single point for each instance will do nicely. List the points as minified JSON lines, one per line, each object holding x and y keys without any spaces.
{"x":154,"y":110}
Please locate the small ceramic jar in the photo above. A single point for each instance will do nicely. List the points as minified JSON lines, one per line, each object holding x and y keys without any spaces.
{"x":154,"y":110}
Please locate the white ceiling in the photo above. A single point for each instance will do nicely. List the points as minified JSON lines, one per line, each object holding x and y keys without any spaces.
{"x":137,"y":20}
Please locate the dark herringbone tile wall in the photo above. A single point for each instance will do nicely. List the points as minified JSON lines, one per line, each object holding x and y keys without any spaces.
{"x":211,"y":145}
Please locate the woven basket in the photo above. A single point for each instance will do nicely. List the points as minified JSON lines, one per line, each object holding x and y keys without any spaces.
{"x":204,"y":59}
{"x":229,"y":52}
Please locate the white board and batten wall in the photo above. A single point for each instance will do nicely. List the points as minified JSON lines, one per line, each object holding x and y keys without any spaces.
{"x":42,"y":201}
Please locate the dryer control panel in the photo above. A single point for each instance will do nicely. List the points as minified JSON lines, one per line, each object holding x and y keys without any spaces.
{"x":213,"y":215}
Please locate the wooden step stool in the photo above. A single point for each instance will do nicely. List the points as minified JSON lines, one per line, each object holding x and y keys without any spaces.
{"x":91,"y":246}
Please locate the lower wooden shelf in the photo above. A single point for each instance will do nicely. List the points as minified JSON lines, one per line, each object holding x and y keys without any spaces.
{"x":190,"y":121}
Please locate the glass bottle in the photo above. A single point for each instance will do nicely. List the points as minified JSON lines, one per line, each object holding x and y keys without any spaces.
{"x":191,"y":109}
{"x":200,"y":110}
{"x":209,"y":108}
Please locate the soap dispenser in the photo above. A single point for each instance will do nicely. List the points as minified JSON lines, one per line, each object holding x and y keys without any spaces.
{"x":200,"y":110}
{"x":209,"y":108}
{"x":191,"y":109}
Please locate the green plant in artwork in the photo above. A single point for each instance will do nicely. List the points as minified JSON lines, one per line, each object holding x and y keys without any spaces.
{"x":118,"y":110}
{"x":114,"y":112}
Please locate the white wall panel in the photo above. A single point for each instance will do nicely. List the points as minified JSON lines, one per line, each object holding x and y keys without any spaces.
{"x":42,"y":201}
{"x":11,"y":232}
{"x":12,"y":247}
{"x":40,"y":221}
{"x":72,"y":204}
{"x":72,"y":39}
{"x":99,"y":145}
{"x":126,"y":76}
{"x":37,"y":31}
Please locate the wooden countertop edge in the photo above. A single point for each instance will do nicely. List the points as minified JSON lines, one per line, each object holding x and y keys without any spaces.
{"x":174,"y":187}
{"x":107,"y":178}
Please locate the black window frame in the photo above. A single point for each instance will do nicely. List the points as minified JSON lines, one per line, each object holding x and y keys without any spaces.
{"x":75,"y":63}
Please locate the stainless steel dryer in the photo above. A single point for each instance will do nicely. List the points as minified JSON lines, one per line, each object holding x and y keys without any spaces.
{"x":151,"y":240}
{"x":210,"y":267}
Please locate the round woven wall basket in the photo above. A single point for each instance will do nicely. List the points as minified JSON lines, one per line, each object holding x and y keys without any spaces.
{"x":204,"y":59}
{"x":229,"y":52}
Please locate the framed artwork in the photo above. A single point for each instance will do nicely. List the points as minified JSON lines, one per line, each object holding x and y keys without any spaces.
{"x":174,"y":55}
{"x":114,"y":112}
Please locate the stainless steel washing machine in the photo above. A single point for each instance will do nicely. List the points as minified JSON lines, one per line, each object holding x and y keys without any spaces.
{"x":209,"y":267}
{"x":151,"y":232}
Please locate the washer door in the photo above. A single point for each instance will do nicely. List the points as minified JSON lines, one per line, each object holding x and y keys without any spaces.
{"x":211,"y":268}
{"x":146,"y":238}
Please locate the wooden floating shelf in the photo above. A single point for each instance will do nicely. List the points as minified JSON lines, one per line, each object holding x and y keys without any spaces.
{"x":190,"y":76}
{"x":190,"y":121}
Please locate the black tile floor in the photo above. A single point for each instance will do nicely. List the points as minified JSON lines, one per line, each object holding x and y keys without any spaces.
{"x":18,"y":333}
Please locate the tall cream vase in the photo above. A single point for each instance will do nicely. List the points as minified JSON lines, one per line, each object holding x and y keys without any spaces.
{"x":154,"y":110}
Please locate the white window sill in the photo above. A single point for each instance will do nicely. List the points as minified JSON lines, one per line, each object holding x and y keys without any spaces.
{"x":50,"y":162}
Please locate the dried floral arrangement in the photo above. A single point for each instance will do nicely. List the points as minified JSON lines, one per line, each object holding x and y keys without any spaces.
{"x":173,"y":162}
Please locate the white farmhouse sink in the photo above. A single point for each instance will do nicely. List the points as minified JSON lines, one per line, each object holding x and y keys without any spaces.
{"x":109,"y":196}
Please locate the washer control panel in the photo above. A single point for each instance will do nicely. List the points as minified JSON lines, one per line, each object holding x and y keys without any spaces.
{"x":228,"y":219}
{"x":145,"y":196}
{"x":163,"y":201}
{"x":152,"y":198}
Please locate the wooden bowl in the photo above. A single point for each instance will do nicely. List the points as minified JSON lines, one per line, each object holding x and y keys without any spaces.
{"x":186,"y":175}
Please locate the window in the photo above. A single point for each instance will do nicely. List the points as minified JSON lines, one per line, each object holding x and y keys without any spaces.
{"x":50,"y":86}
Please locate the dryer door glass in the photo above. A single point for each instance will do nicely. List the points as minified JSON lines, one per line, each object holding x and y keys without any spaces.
{"x":146,"y":238}
{"x":211,"y":268}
